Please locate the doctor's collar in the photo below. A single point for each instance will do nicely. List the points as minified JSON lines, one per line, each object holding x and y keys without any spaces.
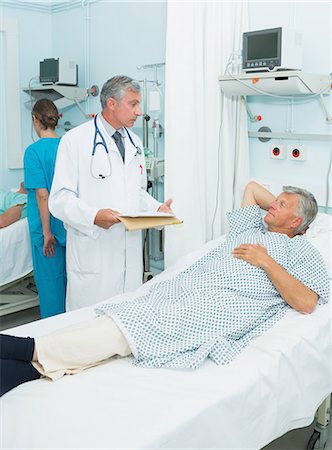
{"x":108,"y":127}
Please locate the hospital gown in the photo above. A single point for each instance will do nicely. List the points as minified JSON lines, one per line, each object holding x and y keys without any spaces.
{"x":9,"y":199}
{"x":218,"y":304}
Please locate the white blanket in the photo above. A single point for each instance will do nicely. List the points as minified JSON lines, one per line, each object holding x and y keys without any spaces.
{"x":15,"y":252}
{"x":273,"y":386}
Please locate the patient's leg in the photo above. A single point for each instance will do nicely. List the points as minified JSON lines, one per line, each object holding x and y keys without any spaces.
{"x":14,"y":372}
{"x":65,"y":351}
{"x":13,"y":347}
{"x":78,"y":347}
{"x":15,"y":365}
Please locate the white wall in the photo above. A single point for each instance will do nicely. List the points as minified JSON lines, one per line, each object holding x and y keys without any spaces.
{"x":110,"y":37}
{"x":34,"y":37}
{"x":313,"y":20}
{"x":124,"y":35}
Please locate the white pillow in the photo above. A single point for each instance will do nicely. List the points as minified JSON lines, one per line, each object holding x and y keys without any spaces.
{"x":320,"y":235}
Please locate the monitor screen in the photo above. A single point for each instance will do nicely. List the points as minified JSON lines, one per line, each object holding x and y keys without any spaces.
{"x":262,"y":46}
{"x":49,"y":69}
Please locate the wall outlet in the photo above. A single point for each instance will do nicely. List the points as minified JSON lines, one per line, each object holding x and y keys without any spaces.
{"x":297,"y":152}
{"x":277,"y":152}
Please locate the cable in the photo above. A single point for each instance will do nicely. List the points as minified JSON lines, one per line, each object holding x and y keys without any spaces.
{"x":219,"y":164}
{"x":31,"y":102}
{"x":328,"y":186}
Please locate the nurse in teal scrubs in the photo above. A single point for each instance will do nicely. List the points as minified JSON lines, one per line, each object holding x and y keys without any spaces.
{"x":48,"y":236}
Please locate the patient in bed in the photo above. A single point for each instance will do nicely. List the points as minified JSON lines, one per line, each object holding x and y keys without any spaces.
{"x":13,"y":206}
{"x":212,"y":309}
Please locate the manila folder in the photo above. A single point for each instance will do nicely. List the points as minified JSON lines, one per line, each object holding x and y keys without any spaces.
{"x":144,"y":221}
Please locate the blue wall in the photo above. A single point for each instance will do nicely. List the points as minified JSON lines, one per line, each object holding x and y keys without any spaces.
{"x":35,"y":38}
{"x":111,"y":37}
{"x":124,"y":35}
{"x":313,"y":21}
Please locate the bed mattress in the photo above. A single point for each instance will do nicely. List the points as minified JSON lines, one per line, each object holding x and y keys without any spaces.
{"x":15,"y":252}
{"x":275,"y":385}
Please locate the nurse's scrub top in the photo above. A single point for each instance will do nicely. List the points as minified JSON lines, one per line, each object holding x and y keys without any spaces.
{"x":39,"y":163}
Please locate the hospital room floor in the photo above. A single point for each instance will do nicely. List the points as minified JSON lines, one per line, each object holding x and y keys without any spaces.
{"x":293,"y":440}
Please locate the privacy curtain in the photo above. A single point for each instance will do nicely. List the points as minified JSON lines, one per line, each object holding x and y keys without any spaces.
{"x":206,"y":136}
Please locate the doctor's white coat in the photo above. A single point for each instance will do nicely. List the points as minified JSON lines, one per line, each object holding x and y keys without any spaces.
{"x":100,"y":263}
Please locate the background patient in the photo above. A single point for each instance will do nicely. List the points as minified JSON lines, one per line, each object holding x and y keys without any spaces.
{"x":13,"y":206}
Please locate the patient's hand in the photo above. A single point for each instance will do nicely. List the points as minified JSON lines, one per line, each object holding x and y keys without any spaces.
{"x":254,"y":254}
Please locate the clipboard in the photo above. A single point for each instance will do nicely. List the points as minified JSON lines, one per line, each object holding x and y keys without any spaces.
{"x":143,"y":221}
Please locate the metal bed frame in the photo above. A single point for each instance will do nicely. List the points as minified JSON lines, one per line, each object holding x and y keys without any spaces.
{"x":319,"y":436}
{"x":18,"y":295}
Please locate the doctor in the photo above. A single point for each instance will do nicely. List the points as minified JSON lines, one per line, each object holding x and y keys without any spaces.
{"x":93,"y":183}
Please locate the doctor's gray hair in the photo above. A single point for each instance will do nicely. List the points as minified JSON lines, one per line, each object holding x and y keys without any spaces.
{"x":116,"y":87}
{"x":307,"y":207}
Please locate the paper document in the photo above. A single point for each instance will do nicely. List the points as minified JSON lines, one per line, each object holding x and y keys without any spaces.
{"x":144,"y":220}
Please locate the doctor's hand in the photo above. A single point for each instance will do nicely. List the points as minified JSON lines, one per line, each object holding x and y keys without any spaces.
{"x":166,"y":207}
{"x":105,"y":218}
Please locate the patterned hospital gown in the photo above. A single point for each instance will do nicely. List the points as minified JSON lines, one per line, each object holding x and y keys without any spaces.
{"x":218,"y":304}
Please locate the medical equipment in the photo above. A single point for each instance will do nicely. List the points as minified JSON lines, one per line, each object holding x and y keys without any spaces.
{"x":272,"y":49}
{"x":179,"y":408}
{"x":286,"y":85}
{"x":61,"y":96}
{"x":58,"y":71}
{"x":155,"y":168}
{"x":102,"y":142}
{"x":279,"y":83}
{"x":155,"y":101}
{"x":151,"y":101}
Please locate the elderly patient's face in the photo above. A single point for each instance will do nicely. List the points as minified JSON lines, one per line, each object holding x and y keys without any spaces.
{"x":282,"y":214}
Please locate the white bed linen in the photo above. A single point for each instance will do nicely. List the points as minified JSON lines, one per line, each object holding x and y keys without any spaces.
{"x":15,"y":252}
{"x":275,"y":385}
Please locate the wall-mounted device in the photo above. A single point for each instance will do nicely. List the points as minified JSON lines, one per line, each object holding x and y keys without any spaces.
{"x":58,"y":71}
{"x":154,"y":168}
{"x":288,"y":82}
{"x":297,"y":152}
{"x":277,"y":152}
{"x":272,"y":49}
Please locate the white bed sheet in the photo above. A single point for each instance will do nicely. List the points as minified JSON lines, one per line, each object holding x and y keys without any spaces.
{"x":15,"y":252}
{"x":275,"y":385}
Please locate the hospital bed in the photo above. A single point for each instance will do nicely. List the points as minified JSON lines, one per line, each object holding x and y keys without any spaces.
{"x":275,"y":385}
{"x":17,"y":288}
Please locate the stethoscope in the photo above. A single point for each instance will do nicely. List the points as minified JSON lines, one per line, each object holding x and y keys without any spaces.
{"x":102,"y":142}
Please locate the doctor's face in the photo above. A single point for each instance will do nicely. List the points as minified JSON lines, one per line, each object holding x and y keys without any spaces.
{"x":125,"y":112}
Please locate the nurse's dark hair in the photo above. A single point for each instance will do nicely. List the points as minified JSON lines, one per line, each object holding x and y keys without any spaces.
{"x":116,"y":87}
{"x":46,"y":112}
{"x":307,"y":207}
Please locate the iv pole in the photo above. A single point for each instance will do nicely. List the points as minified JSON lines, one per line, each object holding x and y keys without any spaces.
{"x":147,"y":273}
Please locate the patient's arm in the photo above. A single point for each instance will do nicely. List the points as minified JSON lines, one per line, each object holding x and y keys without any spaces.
{"x":49,"y":240}
{"x":295,"y":293}
{"x":256,"y":194}
{"x":10,"y":216}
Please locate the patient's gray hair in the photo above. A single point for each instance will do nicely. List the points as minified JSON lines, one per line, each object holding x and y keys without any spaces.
{"x":116,"y":87}
{"x":307,"y":206}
